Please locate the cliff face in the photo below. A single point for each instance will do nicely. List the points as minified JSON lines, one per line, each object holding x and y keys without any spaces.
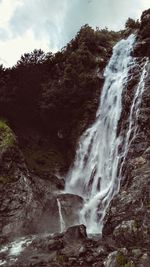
{"x":127,"y":219}
{"x":29,"y":203}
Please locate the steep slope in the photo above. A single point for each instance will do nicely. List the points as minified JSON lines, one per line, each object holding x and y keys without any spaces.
{"x":127,"y":220}
{"x":28,"y":204}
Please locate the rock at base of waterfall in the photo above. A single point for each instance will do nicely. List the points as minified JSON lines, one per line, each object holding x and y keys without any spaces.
{"x":71,"y":206}
{"x":128,"y":216}
{"x":67,"y":249}
{"x":34,"y":209}
{"x":75,"y":234}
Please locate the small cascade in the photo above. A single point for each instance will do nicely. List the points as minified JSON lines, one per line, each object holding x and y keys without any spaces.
{"x":134,"y":112}
{"x":95,"y":174}
{"x":62,"y":222}
{"x":14,"y":249}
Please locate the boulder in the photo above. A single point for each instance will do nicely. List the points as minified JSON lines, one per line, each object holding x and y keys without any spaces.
{"x":118,"y":258}
{"x":128,"y":216}
{"x":75,"y":234}
{"x":71,"y":206}
{"x":47,"y":250}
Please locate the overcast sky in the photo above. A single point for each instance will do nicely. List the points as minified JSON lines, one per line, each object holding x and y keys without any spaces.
{"x":50,"y":24}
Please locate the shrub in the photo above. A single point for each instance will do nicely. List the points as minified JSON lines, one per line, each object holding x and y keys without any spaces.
{"x":7,"y":138}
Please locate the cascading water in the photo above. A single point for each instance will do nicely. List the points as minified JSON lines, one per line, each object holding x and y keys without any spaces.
{"x":62,"y":222}
{"x":94,"y":175}
{"x":133,"y":116}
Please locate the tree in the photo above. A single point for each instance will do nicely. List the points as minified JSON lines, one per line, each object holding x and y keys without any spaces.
{"x":33,"y":58}
{"x":132,"y":24}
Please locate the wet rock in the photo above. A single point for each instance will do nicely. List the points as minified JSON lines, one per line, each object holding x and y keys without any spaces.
{"x":137,"y":162}
{"x":74,"y":234}
{"x":28,"y":204}
{"x":137,"y":252}
{"x":71,"y":206}
{"x":22,"y":198}
{"x":146,"y":154}
{"x":126,"y":232}
{"x":74,"y":242}
{"x":144,"y":261}
{"x":82,"y":250}
{"x":118,"y":258}
{"x":90,"y":259}
{"x":111,"y":260}
{"x":128,"y":215}
{"x":66,"y":249}
{"x":98,"y":264}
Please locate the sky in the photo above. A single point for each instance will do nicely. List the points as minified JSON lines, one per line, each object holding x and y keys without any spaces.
{"x":26,"y":25}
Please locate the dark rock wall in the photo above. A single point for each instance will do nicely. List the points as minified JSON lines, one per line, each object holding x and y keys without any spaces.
{"x":127,"y":219}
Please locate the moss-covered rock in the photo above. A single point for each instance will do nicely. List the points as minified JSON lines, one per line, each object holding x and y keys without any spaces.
{"x":11,"y":159}
{"x":119,"y":258}
{"x":7,"y":138}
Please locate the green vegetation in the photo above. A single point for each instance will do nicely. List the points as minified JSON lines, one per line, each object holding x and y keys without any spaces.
{"x":148,"y":204}
{"x":122,"y":261}
{"x":132,"y":24}
{"x":43,"y":160}
{"x":51,"y":91}
{"x":7,"y":138}
{"x":61,"y":259}
{"x":5,"y":179}
{"x":56,"y":93}
{"x":129,"y":264}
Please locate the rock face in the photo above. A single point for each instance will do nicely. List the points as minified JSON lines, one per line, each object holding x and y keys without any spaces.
{"x":71,"y":248}
{"x":28,"y":204}
{"x":127,"y":219}
{"x":70,"y":208}
{"x":142,"y":47}
{"x":129,"y":215}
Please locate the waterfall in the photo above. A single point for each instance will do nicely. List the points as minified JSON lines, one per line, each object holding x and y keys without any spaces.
{"x":62,"y":222}
{"x":133,"y":116}
{"x":14,"y":249}
{"x":95,"y":174}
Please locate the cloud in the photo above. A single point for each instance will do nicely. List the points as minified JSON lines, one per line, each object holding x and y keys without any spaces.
{"x":44,"y":17}
{"x":50,"y":24}
{"x":18,"y":46}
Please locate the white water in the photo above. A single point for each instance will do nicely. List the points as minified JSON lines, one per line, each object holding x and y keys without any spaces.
{"x":2,"y":262}
{"x":94,"y":175}
{"x":14,"y":249}
{"x":18,"y":246}
{"x":134,"y":111}
{"x":62,"y":222}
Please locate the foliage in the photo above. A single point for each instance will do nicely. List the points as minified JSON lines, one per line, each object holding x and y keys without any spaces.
{"x":7,"y":138}
{"x":48,"y":87}
{"x":5,"y":179}
{"x":120,"y":259}
{"x":132,"y":24}
{"x":57,"y":92}
{"x":61,"y":259}
{"x":42,"y":160}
